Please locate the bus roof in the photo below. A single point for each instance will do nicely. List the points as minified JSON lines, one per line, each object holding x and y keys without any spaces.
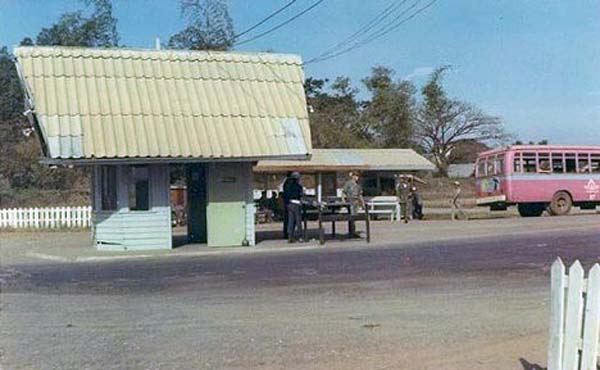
{"x":542,"y":148}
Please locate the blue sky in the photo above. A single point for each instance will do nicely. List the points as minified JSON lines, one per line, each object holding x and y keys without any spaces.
{"x":534,"y":63}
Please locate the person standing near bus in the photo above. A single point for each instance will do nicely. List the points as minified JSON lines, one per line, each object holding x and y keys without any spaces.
{"x":293,"y":193}
{"x":457,"y":212}
{"x":353,"y":194}
{"x":403,"y":193}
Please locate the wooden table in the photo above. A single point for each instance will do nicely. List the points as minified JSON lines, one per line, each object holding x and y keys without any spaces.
{"x":331,"y":212}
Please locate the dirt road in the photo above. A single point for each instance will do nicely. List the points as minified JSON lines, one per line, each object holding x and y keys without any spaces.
{"x":442,"y":296}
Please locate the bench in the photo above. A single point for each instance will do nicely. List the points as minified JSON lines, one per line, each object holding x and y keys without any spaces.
{"x":385,"y":205}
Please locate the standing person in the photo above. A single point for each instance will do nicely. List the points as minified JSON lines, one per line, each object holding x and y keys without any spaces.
{"x":457,"y":212}
{"x":417,"y":204}
{"x":293,"y":193}
{"x":286,"y":201}
{"x":403,"y":193}
{"x":352,"y":193}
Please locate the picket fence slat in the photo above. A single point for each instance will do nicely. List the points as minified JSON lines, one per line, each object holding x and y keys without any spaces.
{"x":557,"y":307}
{"x":591,"y":329}
{"x":574,"y":314}
{"x":49,"y":217}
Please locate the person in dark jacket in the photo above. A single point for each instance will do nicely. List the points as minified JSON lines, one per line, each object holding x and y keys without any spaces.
{"x":286,"y":201}
{"x":417,"y":204}
{"x":292,"y":193}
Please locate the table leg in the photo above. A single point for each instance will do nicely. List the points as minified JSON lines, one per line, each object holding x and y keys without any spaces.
{"x":321,"y":238}
{"x":304,"y":219}
{"x":368,"y":226}
{"x":333,"y":228}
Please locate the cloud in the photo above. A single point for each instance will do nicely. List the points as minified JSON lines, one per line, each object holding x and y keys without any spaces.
{"x":419,"y":72}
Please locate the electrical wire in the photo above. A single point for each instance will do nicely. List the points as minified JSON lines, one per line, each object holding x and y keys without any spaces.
{"x":395,"y":5}
{"x":389,"y":27}
{"x":266,"y":19}
{"x":282,"y":24}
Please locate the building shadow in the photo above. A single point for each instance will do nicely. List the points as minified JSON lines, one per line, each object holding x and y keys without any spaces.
{"x":529,"y":366}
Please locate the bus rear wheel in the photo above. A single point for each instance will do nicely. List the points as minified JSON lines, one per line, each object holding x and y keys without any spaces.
{"x":530,"y":209}
{"x":561,"y":204}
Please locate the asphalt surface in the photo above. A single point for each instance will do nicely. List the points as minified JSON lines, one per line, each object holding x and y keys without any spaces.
{"x":453,"y":301}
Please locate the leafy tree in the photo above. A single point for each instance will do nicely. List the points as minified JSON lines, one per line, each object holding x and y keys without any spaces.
{"x":389,"y":115}
{"x":74,"y":29}
{"x":209,"y":26}
{"x":443,"y":122}
{"x":334,"y":114}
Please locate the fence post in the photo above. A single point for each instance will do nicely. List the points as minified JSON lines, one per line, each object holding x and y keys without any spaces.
{"x":558,"y":281}
{"x":589,"y":356}
{"x":574,"y":315}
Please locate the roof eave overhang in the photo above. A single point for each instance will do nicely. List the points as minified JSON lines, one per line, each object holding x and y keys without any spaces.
{"x":165,"y":160}
{"x":337,"y":168}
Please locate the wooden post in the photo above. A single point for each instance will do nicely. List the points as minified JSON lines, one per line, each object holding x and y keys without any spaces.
{"x":319,"y":187}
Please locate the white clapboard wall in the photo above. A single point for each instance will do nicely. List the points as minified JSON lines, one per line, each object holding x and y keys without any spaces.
{"x":575,"y":317}
{"x":45,"y":218}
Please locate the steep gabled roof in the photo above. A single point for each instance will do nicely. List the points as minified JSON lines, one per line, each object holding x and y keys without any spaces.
{"x":123,"y":103}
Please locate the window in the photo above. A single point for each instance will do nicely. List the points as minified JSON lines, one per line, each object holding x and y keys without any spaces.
{"x":583,"y":162}
{"x":570,"y":163}
{"x":557,"y":163}
{"x":517,"y":163}
{"x":139,"y":186}
{"x":490,"y":166}
{"x":481,"y":167}
{"x":544,"y":162}
{"x":595,"y":163}
{"x":500,"y":165}
{"x":108,"y":188}
{"x":529,"y":164}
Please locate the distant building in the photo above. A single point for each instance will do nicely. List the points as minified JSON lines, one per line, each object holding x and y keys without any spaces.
{"x":128,"y":114}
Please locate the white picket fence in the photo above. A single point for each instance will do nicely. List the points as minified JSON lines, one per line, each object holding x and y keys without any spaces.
{"x":575,"y":318}
{"x":45,"y":218}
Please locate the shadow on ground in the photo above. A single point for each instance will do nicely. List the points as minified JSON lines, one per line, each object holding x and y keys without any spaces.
{"x":529,"y":366}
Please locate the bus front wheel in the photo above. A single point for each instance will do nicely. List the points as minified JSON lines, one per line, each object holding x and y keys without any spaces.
{"x":561,"y":204}
{"x":530,"y":210}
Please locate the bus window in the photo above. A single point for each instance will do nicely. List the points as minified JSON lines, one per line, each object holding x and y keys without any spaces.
{"x":570,"y":163}
{"x":481,"y":167}
{"x":557,"y":163}
{"x":490,"y":166}
{"x":529,"y":164}
{"x":595,"y":164}
{"x":583,"y":162}
{"x":517,"y":163}
{"x":544,"y":162}
{"x":499,"y":165}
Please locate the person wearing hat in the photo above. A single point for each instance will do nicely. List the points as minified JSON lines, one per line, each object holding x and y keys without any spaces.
{"x":353,"y":194}
{"x":292,"y":196}
{"x":286,"y":201}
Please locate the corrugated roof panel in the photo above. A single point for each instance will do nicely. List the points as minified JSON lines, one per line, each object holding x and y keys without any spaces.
{"x":103,"y":103}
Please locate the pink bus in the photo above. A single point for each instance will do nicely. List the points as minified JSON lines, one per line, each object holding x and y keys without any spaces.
{"x":538,"y":178}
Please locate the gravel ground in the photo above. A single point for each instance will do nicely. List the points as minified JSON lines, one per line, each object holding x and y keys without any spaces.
{"x":435,"y":295}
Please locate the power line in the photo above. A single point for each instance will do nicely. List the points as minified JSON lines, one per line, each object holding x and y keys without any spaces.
{"x":269,"y":17}
{"x":282,"y":24}
{"x":394,"y":5}
{"x":389,"y":27}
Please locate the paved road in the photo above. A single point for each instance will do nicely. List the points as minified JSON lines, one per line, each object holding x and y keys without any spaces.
{"x":471,"y":296}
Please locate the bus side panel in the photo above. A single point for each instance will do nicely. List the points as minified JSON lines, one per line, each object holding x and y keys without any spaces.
{"x":542,"y":187}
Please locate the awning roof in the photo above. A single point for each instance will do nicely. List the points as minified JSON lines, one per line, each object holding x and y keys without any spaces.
{"x":324,"y":160}
{"x":132,"y":104}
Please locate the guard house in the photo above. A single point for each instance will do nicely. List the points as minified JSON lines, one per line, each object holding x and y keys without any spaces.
{"x":377,"y":166}
{"x":129,"y":114}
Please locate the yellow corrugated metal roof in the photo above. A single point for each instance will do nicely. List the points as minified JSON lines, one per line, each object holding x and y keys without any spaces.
{"x":122,"y":103}
{"x":351,"y":159}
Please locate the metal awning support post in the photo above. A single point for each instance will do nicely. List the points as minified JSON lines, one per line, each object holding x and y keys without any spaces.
{"x":319,"y":186}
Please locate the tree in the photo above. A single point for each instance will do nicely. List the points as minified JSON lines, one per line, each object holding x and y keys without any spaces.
{"x":389,"y":115}
{"x":209,"y":26}
{"x":442,"y":122}
{"x":334,"y":114}
{"x":74,"y":29}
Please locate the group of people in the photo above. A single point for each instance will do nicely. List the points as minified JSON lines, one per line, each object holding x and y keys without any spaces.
{"x":288,"y":204}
